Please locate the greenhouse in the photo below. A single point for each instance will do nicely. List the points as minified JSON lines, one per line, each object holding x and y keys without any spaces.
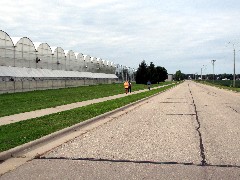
{"x":26,"y":65}
{"x":44,"y":54}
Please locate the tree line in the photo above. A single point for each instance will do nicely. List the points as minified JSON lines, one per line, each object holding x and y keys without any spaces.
{"x":180,"y":76}
{"x":150,"y":73}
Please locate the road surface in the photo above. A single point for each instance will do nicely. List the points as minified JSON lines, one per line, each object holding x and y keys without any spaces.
{"x":191,"y":131}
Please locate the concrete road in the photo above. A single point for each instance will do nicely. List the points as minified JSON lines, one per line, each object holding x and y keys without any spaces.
{"x":189,"y":132}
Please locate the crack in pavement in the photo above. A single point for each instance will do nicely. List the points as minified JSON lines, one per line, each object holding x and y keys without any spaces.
{"x":233,"y":109}
{"x":210,"y":93}
{"x":181,"y":114}
{"x":174,"y":98}
{"x":172,"y":102}
{"x":133,"y":161}
{"x":203,"y":162}
{"x":205,"y":89}
{"x":114,"y":160}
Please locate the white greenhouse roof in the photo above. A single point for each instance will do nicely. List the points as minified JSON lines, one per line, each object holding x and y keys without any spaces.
{"x":40,"y":73}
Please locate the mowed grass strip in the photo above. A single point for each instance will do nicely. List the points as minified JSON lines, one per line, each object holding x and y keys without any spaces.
{"x":15,"y":103}
{"x":18,"y":133}
{"x":222,"y":84}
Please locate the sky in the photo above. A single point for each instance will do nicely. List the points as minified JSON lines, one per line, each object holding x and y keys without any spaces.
{"x":176,"y":34}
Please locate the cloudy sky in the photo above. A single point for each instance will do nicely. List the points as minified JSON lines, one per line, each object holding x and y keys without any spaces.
{"x":176,"y":34}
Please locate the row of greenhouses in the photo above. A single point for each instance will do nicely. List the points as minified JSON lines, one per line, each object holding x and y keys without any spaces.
{"x":26,"y":65}
{"x":22,"y":52}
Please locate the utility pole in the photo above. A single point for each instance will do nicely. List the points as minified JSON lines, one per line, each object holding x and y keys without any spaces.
{"x":234,"y":76}
{"x":201,"y":72}
{"x":213,"y":61}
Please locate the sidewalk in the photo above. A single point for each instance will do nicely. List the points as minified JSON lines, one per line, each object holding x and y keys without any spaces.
{"x":42,"y":112}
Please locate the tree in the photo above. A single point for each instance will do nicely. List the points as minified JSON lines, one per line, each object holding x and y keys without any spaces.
{"x":152,"y":73}
{"x":141,"y":74}
{"x":179,"y":76}
{"x":161,"y":74}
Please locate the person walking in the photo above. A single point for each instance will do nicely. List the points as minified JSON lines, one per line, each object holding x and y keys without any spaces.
{"x":129,"y":87}
{"x":126,"y":85}
{"x":149,"y":85}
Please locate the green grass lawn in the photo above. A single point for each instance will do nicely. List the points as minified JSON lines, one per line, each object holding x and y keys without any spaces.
{"x":224,"y":84}
{"x":15,"y":134}
{"x":28,"y":101}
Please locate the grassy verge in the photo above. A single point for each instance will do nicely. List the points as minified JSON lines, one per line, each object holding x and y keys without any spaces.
{"x":18,"y":133}
{"x":218,"y":85}
{"x":29,"y":101}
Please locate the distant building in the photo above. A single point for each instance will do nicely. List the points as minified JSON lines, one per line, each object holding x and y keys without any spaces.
{"x":170,"y":77}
